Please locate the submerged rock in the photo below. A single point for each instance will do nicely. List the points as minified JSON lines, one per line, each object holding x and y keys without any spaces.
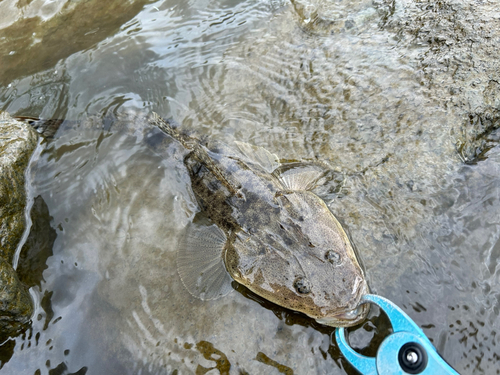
{"x":459,"y":64}
{"x":17,"y":142}
{"x":16,"y":306}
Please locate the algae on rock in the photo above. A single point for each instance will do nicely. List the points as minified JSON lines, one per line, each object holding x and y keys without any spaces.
{"x":17,"y":143}
{"x":16,"y":306}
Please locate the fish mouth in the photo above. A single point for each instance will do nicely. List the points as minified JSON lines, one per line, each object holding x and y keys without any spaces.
{"x":350,"y":317}
{"x":347,"y":318}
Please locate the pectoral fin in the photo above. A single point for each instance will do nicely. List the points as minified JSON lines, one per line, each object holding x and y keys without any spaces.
{"x":302,"y":176}
{"x":200,"y":263}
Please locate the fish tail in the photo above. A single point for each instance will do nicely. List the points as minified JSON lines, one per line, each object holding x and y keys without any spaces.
{"x":198,"y":151}
{"x":169,"y":127}
{"x":46,"y":128}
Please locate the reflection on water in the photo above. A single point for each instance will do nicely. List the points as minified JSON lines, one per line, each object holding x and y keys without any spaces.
{"x":38,"y":246}
{"x":37,"y":34}
{"x":359,"y":84}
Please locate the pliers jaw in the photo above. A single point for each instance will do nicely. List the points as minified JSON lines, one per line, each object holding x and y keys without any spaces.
{"x":405,"y":351}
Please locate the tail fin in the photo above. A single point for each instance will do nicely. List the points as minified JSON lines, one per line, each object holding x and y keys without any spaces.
{"x":169,"y":127}
{"x":46,"y":128}
{"x":198,"y":151}
{"x":164,"y":125}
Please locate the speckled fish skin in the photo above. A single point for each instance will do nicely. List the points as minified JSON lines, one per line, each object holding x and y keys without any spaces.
{"x":284,"y":245}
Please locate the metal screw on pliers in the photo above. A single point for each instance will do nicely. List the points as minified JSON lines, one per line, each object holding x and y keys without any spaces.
{"x":412,"y":357}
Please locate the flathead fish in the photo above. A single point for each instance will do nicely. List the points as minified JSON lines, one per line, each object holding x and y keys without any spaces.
{"x":262,"y":226}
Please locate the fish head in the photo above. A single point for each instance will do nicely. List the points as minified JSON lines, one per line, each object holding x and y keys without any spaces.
{"x":304,"y":263}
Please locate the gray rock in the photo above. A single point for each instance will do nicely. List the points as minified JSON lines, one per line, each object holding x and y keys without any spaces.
{"x":17,"y":142}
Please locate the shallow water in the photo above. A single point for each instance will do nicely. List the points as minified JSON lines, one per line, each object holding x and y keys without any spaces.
{"x":389,"y":93}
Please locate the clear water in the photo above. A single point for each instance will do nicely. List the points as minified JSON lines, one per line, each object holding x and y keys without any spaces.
{"x":368,"y":86}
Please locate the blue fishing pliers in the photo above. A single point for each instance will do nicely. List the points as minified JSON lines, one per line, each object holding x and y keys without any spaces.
{"x":406,"y":351}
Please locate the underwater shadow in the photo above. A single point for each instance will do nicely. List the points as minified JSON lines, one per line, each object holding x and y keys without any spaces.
{"x":365,"y":338}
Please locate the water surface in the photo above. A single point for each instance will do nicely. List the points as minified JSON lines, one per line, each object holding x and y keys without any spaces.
{"x":389,"y":93}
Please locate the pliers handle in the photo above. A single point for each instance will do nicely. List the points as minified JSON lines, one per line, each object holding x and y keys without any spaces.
{"x":405,"y":351}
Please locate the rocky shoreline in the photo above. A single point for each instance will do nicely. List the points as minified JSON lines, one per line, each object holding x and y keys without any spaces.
{"x":17,"y":143}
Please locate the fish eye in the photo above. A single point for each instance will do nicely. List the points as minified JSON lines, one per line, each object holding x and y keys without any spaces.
{"x":332,"y":256}
{"x":301,"y":285}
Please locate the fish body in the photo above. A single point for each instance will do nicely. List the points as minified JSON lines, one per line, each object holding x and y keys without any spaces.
{"x":261,"y":225}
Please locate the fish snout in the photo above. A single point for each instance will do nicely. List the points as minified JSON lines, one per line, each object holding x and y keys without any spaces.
{"x":354,"y":312}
